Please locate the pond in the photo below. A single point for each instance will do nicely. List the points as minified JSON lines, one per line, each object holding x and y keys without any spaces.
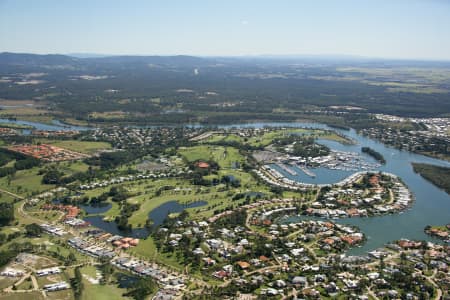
{"x":160,"y":213}
{"x":111,"y":227}
{"x":96,"y":208}
{"x":157,"y":215}
{"x":126,"y":281}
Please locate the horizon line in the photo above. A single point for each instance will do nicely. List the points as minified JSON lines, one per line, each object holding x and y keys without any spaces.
{"x":287,"y":56}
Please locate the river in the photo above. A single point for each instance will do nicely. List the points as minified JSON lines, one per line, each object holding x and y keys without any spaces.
{"x":56,"y":125}
{"x":431,"y":205}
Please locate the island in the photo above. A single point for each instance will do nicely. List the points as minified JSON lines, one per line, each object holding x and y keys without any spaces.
{"x":378,"y":156}
{"x":437,"y":175}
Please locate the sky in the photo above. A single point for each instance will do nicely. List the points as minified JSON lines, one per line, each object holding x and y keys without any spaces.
{"x":406,"y":29}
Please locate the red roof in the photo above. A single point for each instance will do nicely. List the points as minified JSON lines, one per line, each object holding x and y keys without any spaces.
{"x":203,"y":165}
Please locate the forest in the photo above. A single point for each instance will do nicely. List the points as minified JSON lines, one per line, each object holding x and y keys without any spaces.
{"x":439,"y":176}
{"x":183,"y":89}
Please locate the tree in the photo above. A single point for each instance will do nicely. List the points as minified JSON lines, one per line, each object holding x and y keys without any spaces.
{"x":33,"y":230}
{"x":70,"y":259}
{"x":107,"y":270}
{"x":77,"y":284}
{"x":141,"y":289}
{"x":6,"y":213}
{"x":52,"y":176}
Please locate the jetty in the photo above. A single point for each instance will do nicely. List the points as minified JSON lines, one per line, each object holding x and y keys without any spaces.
{"x":307,"y":171}
{"x":287,"y":169}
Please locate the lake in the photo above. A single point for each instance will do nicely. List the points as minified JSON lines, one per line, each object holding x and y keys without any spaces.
{"x":111,"y":227}
{"x":157,"y":215}
{"x":160,"y":213}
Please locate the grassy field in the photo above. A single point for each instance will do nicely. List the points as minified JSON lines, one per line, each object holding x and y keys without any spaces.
{"x":71,"y":167}
{"x":87,"y":147}
{"x":31,"y":113}
{"x":24,"y":182}
{"x":431,"y":79}
{"x":99,"y":291}
{"x":224,"y":156}
{"x":147,"y":250}
{"x":15,"y":126}
{"x":267,"y":138}
{"x":22,"y":296}
{"x":4,"y":197}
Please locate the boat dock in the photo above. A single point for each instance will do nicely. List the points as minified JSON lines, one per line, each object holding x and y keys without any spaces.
{"x":287,"y":169}
{"x":306,"y":171}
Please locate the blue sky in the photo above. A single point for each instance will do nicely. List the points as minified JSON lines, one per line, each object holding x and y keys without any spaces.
{"x":376,"y":28}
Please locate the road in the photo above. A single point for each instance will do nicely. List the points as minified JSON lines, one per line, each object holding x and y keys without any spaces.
{"x":12,"y":194}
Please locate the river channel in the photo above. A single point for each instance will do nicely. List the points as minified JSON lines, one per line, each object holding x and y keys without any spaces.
{"x":431,"y":204}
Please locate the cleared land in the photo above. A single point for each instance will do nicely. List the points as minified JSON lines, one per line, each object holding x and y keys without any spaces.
{"x":86,"y":147}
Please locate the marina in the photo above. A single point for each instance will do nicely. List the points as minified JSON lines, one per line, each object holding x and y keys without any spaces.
{"x":287,"y":169}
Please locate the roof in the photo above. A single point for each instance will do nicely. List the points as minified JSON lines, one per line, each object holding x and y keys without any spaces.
{"x":243,"y":264}
{"x":202,"y":165}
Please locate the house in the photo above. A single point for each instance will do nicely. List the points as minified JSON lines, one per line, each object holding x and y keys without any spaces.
{"x":243,"y":265}
{"x":280,"y":283}
{"x":202,"y":165}
{"x":198,"y":251}
{"x":299,"y":281}
{"x":209,"y":261}
{"x":220,"y":274}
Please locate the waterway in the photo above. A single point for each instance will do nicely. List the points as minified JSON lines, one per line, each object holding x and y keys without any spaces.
{"x":431,"y":205}
{"x":55,"y":126}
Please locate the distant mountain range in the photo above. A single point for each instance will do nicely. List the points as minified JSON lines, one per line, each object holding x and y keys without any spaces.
{"x":186,"y":61}
{"x":7,"y":58}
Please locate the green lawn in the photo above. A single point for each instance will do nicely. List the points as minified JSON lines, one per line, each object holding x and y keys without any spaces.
{"x":224,"y":156}
{"x":147,"y":250}
{"x":102,"y":292}
{"x":22,"y":296}
{"x":4,"y":197}
{"x":24,"y":182}
{"x":73,"y":166}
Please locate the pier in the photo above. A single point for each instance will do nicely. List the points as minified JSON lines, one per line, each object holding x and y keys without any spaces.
{"x":287,"y":169}
{"x":306,"y":171}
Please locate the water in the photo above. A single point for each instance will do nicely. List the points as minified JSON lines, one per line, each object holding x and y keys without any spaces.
{"x":89,"y":208}
{"x":160,"y":213}
{"x":126,"y":281}
{"x":157,"y":215}
{"x":96,"y":208}
{"x":431,"y":206}
{"x":323,"y":175}
{"x":55,"y":126}
{"x":111,"y":227}
{"x":254,"y":194}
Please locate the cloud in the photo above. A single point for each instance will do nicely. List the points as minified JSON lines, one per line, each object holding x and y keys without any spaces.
{"x":244,"y":22}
